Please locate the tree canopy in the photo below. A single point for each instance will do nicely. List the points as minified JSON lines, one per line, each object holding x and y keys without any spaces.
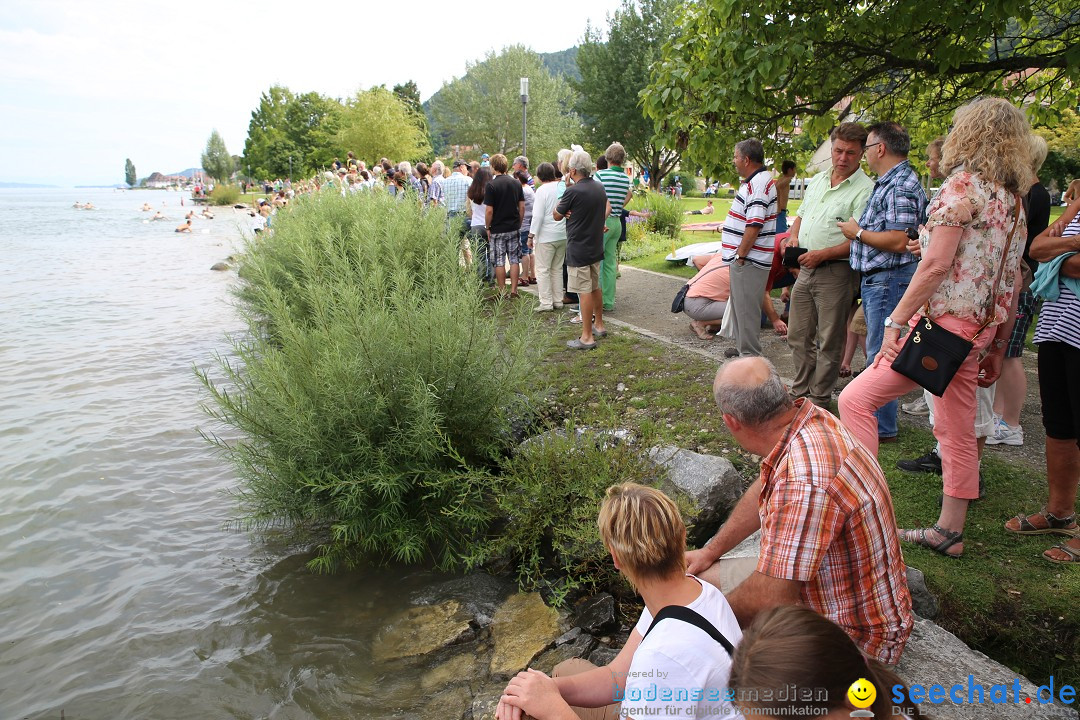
{"x":614,"y":73}
{"x":286,"y":125}
{"x":738,"y":69}
{"x":483,"y":107}
{"x":129,"y":173}
{"x":216,"y":160}
{"x":378,"y":123}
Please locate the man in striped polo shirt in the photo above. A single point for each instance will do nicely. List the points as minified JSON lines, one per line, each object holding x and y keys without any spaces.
{"x":617,"y":185}
{"x":749,"y":241}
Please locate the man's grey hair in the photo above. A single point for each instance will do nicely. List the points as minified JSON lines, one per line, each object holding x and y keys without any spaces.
{"x":893,"y":136}
{"x":753,"y":405}
{"x":752,"y":150}
{"x":615,"y":154}
{"x":522,"y":161}
{"x":582,"y":162}
{"x":437,"y":169}
{"x":405,"y":167}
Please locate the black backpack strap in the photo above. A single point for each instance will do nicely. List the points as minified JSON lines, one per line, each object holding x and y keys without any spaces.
{"x":680,"y":612}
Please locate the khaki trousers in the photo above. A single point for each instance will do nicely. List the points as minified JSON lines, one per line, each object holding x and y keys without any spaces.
{"x":817,"y":327}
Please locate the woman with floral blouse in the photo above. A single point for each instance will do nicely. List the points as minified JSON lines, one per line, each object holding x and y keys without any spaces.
{"x":963,"y":247}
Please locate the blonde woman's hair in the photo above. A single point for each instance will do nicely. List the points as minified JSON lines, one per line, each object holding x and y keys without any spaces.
{"x":642,"y":527}
{"x":1039,"y":150}
{"x":563,"y":159}
{"x":989,"y":137}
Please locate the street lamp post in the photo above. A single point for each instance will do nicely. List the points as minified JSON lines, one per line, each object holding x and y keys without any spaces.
{"x":524,"y":112}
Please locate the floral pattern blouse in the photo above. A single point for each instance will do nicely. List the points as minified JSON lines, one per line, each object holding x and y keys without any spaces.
{"x":985,"y":212}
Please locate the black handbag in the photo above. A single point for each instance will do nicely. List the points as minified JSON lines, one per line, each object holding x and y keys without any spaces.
{"x":933,"y":355}
{"x":679,"y":302}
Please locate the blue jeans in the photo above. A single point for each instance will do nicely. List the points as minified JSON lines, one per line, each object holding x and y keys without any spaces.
{"x":880,"y":294}
{"x":781,"y":222}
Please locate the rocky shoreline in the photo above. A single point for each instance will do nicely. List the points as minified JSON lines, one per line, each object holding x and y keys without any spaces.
{"x":468,"y":636}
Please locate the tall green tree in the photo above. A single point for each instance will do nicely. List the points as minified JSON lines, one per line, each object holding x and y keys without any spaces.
{"x":763,"y":68}
{"x":286,"y":125}
{"x":483,"y":107}
{"x":216,"y":160}
{"x":1063,"y":139}
{"x":409,"y":94}
{"x":129,"y":173}
{"x":378,"y":123}
{"x":615,"y":71}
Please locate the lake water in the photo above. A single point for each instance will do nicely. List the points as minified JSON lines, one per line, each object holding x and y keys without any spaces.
{"x":123,"y":594}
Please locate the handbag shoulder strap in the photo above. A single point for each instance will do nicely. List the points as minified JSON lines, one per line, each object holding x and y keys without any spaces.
{"x":1001,"y":268}
{"x":685,"y":614}
{"x":691,"y":282}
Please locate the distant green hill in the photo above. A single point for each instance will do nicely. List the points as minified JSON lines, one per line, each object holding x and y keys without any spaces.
{"x":563,"y":62}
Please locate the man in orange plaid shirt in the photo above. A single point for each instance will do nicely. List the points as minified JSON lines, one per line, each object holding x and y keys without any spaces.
{"x":829,"y":538}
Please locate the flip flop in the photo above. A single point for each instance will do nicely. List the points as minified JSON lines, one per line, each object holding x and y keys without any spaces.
{"x":576,"y":344}
{"x":598,"y":333}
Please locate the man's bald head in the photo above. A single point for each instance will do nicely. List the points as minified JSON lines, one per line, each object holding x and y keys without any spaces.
{"x":750,"y":390}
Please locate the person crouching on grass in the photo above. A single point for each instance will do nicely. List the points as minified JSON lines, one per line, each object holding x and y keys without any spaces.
{"x":687,"y":657}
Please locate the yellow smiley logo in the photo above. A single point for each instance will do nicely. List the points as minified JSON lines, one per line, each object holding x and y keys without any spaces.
{"x":862,"y":694}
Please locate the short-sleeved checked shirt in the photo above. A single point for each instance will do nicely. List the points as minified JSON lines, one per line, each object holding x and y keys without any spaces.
{"x":827,"y":521}
{"x":898,"y":202}
{"x":455,"y":189}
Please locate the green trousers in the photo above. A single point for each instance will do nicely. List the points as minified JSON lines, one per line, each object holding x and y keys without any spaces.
{"x":610,"y":267}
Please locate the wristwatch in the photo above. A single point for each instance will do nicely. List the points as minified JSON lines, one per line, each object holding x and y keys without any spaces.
{"x":895,"y":326}
{"x":858,"y":235}
{"x":740,"y":260}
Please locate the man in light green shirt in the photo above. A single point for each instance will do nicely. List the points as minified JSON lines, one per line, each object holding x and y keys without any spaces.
{"x":823,"y":293}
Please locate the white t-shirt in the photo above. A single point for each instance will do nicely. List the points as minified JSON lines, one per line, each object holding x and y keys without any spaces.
{"x":679,"y":671}
{"x":479,"y":216}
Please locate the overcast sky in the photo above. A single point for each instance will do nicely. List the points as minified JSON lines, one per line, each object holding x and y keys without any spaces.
{"x":84,"y":85}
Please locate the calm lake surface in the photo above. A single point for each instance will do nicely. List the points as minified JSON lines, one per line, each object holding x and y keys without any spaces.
{"x":122,"y":592}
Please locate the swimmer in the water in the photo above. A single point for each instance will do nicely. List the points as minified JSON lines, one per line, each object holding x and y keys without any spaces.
{"x":158,"y":216}
{"x":186,"y":227}
{"x":145,"y":207}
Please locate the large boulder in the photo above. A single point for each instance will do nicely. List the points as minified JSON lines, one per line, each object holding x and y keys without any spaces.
{"x":522,"y":628}
{"x":710,"y":483}
{"x":935,"y":656}
{"x":422,"y":630}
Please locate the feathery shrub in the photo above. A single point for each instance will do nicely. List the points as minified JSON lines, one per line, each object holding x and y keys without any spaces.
{"x":372,"y":388}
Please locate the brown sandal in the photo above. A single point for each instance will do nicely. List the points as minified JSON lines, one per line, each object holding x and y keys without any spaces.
{"x":1054,"y":525}
{"x":1073,"y":553}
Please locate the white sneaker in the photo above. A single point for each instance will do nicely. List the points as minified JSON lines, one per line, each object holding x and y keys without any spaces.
{"x":916,"y":407}
{"x":1006,"y":434}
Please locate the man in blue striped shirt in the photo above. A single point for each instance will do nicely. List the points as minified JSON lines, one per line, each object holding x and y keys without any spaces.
{"x":879,"y":238}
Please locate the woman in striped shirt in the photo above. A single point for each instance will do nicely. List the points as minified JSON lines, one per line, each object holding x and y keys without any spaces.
{"x":1058,"y":338}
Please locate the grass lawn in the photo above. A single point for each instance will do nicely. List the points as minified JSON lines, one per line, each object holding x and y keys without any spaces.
{"x":1001,"y":598}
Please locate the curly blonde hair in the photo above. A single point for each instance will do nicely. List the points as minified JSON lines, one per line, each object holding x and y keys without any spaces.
{"x":989,"y":137}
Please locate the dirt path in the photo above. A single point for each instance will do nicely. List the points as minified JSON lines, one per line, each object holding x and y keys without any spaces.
{"x":643,"y":304}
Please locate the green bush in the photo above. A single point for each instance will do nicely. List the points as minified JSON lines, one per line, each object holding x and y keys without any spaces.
{"x":666,"y":214}
{"x":548,"y":496}
{"x":372,"y":388}
{"x":641,"y":243}
{"x":225,"y":194}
